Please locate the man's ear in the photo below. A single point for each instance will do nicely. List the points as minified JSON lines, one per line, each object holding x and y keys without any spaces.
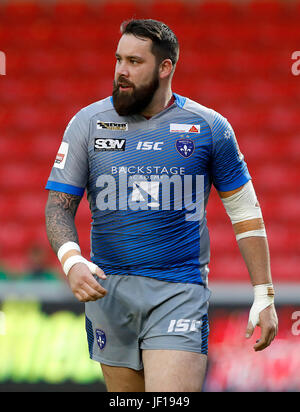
{"x":165,"y":68}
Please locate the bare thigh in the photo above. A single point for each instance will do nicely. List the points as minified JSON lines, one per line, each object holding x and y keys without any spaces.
{"x":174,"y":370}
{"x":118,"y":379}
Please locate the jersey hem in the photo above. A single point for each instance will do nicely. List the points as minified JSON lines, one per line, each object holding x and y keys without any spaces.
{"x":159,"y":278}
{"x":65,"y":188}
{"x":172,"y":347}
{"x":113,"y":363}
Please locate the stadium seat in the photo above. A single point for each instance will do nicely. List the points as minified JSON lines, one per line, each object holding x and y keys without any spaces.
{"x":16,"y":176}
{"x":7,"y":209}
{"x":280,"y":178}
{"x":73,"y":10}
{"x":169,"y":12}
{"x":16,"y":11}
{"x":118,"y":11}
{"x":235,"y":58}
{"x":265,"y":9}
{"x":30,"y":207}
{"x":16,"y":89}
{"x":222,"y":236}
{"x":44,"y":147}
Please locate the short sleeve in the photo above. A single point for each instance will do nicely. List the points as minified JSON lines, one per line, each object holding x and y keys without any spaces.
{"x":69,"y":173}
{"x":229,"y":169}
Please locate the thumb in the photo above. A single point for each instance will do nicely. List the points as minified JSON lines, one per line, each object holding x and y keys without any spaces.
{"x":96,"y":270}
{"x":249,"y":330}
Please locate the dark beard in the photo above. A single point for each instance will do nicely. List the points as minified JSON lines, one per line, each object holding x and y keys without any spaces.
{"x":128,"y":104}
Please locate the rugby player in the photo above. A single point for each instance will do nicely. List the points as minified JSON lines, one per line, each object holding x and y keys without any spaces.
{"x":147,"y":158}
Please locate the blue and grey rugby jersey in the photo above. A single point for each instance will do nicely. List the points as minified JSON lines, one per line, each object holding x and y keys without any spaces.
{"x":148,"y":183}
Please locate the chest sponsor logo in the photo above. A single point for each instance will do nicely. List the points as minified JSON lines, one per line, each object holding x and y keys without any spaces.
{"x":109,"y":145}
{"x":184,"y":128}
{"x":112,"y":126}
{"x":185,"y":147}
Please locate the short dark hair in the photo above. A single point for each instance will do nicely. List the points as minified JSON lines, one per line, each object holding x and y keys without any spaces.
{"x":164,"y":42}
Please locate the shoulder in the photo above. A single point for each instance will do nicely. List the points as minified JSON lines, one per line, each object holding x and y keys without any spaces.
{"x":100,"y":106}
{"x":81,"y":120}
{"x":95,"y":108}
{"x":78,"y":127}
{"x":214,"y":119}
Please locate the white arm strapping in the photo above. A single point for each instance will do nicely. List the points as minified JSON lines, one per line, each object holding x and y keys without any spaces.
{"x":66,"y":247}
{"x":243,"y":205}
{"x":263,"y":297}
{"x":71,"y":261}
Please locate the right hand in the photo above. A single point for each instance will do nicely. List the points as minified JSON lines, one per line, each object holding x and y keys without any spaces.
{"x":83,"y":284}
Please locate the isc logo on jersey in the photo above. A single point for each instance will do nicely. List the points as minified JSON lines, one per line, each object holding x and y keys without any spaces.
{"x":109,"y":145}
{"x":149,"y":145}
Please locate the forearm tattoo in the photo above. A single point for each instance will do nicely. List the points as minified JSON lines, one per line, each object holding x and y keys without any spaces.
{"x":60,"y":213}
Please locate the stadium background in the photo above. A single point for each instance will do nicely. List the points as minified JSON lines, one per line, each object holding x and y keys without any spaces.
{"x":236,"y":57}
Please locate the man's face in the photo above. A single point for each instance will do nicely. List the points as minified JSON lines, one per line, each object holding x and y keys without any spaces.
{"x":136,"y":75}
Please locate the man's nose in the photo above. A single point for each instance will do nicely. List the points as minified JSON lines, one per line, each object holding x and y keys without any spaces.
{"x":122,"y":69}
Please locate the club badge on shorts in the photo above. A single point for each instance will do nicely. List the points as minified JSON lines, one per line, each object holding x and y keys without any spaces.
{"x":101,"y":338}
{"x":185,"y":147}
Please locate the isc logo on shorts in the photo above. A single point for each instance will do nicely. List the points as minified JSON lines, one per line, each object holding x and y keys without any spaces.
{"x":109,"y":145}
{"x":184,"y":325}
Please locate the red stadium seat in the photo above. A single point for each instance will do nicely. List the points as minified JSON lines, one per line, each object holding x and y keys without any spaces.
{"x":16,"y":89}
{"x":7,"y":209}
{"x":16,"y":177}
{"x":265,"y":9}
{"x":13,"y":237}
{"x":277,"y":178}
{"x":222,"y":237}
{"x":44,"y":146}
{"x":50,"y":62}
{"x":283,"y":210}
{"x":285,"y":268}
{"x":169,"y":12}
{"x":235,"y":58}
{"x":281,"y":118}
{"x":266,"y":91}
{"x":30,"y":208}
{"x":15,"y":10}
{"x":95,"y":63}
{"x":229,"y":268}
{"x":118,"y":11}
{"x":217,"y":10}
{"x":75,"y":9}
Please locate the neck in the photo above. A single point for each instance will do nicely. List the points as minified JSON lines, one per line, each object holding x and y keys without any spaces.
{"x":159,"y":102}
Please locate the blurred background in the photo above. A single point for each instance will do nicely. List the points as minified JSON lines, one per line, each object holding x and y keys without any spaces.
{"x":236,"y":57}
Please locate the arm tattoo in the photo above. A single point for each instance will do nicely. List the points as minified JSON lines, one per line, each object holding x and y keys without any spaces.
{"x":60,"y":213}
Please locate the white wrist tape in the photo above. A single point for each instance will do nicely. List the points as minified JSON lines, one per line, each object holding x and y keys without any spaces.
{"x":66,"y":247}
{"x":263,"y":297}
{"x":72,"y":260}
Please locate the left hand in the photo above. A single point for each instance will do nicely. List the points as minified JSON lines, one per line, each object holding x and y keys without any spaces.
{"x":268,"y":323}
